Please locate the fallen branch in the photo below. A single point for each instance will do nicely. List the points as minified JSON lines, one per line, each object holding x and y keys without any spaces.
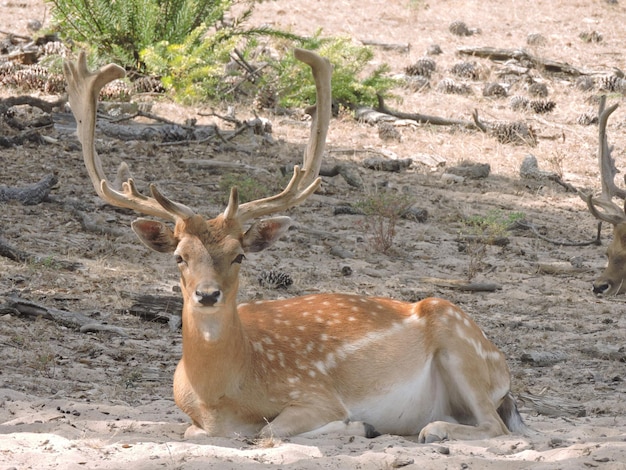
{"x":19,"y":256}
{"x":31,"y":194}
{"x":157,"y":308}
{"x":535,"y":231}
{"x":31,"y":135}
{"x":549,"y":406}
{"x":45,"y":106}
{"x":522,"y":56}
{"x":34,"y":310}
{"x":404,"y":48}
{"x":219,"y":166}
{"x":462,"y":285}
{"x":423,"y":118}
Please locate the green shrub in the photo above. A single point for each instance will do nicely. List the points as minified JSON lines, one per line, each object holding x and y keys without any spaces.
{"x":119,"y":30}
{"x":383,"y":209}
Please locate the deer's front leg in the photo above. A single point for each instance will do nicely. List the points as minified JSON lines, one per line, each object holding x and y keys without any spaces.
{"x":312,"y":422}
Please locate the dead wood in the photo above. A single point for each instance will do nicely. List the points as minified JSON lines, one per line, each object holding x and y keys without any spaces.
{"x":219,"y":166}
{"x":527,"y":225}
{"x":606,"y":352}
{"x":522,"y":56}
{"x":551,"y":406}
{"x":17,"y":36}
{"x":31,"y":194}
{"x":31,"y":135}
{"x":462,"y":285}
{"x":19,"y":256}
{"x":404,"y":48}
{"x":45,"y":106}
{"x":347,"y":173}
{"x":155,"y":133}
{"x":383,"y":164}
{"x":495,"y":241}
{"x":34,"y":310}
{"x":559,"y":268}
{"x":423,"y":118}
{"x":157,"y":308}
{"x":98,"y":327}
{"x":542,"y":358}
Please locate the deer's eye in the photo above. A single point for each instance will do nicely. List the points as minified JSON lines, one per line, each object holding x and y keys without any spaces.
{"x":238,"y":259}
{"x":179,"y":259}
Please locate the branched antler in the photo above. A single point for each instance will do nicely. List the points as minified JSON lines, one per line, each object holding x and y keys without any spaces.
{"x":83,"y":90}
{"x":602,"y":207}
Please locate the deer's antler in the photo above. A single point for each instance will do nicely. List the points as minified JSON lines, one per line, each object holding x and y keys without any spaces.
{"x":602,"y":207}
{"x":83,"y":90}
{"x":304,"y":181}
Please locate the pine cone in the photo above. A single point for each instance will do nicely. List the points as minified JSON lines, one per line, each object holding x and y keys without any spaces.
{"x":117,"y":90}
{"x":518,"y":103}
{"x":387,"y":131}
{"x":537,"y":89}
{"x":494,"y":89}
{"x":585,"y":83}
{"x":54,"y":48}
{"x":148,"y":84}
{"x":29,"y":78}
{"x":535,"y":39}
{"x":613,"y":84}
{"x":274,"y":279}
{"x":459,"y":28}
{"x":266,"y":98}
{"x":592,"y":36}
{"x":465,"y":70}
{"x":424,"y":67}
{"x":449,"y":86}
{"x":516,"y":132}
{"x":434,"y":49}
{"x":587,"y":119}
{"x":417,"y":83}
{"x":541,"y":106}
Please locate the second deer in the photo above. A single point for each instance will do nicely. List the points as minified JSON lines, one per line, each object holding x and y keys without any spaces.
{"x":611,"y":281}
{"x":327,"y":363}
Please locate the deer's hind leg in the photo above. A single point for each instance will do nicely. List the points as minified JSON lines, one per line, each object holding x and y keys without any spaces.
{"x":470,"y":394}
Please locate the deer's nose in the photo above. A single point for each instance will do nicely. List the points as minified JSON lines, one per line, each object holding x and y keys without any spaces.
{"x":208,"y":298}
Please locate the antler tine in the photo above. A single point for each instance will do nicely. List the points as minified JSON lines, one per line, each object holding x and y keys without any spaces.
{"x":610,"y":212}
{"x":304,"y":181}
{"x":83,"y":90}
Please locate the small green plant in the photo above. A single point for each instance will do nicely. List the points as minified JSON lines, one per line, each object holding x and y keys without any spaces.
{"x":131,"y":378}
{"x":483,"y":230}
{"x":556,"y":161}
{"x":382,"y":210}
{"x":248,"y":188}
{"x":45,"y":363}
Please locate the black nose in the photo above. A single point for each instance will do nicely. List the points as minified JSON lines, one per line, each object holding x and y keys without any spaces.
{"x":208,"y":298}
{"x":601,"y":288}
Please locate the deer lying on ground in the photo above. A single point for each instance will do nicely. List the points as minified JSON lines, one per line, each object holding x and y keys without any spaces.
{"x":611,"y":281}
{"x":319,"y":364}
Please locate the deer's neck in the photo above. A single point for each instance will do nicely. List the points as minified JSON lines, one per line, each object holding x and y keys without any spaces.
{"x":215,"y":345}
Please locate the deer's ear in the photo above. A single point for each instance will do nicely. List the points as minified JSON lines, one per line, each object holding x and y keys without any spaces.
{"x":264,"y":233}
{"x":155,"y":235}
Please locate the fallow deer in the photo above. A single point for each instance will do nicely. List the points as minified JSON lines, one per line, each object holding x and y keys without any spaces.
{"x":324,"y":363}
{"x":611,"y":281}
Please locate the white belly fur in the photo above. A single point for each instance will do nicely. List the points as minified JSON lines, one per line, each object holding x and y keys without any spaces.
{"x":405,"y":408}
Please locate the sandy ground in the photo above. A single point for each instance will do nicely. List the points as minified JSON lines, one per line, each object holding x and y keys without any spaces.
{"x":71,"y":400}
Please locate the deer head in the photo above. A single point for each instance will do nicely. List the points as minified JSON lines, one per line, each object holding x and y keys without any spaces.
{"x":611,"y":281}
